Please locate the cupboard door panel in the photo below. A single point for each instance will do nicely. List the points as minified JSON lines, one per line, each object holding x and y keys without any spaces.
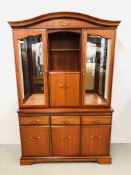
{"x":95,"y":140}
{"x":35,"y":141}
{"x":57,"y":92}
{"x":66,"y":140}
{"x":73,"y":89}
{"x":64,"y":89}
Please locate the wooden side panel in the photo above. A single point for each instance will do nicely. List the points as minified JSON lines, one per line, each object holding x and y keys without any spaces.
{"x":95,"y":140}
{"x":35,"y":141}
{"x":66,"y":140}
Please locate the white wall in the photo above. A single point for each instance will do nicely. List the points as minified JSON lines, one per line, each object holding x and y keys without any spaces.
{"x":110,"y":10}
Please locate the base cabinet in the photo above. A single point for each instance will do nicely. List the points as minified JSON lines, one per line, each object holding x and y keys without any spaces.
{"x":65,"y":138}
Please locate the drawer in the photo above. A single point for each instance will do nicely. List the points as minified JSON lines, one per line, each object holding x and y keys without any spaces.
{"x":65,"y":120}
{"x":96,"y":120}
{"x":34,"y":120}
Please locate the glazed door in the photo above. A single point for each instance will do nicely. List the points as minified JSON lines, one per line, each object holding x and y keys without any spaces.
{"x":95,"y":140}
{"x":97,"y":66}
{"x":31,"y":67}
{"x":64,"y":89}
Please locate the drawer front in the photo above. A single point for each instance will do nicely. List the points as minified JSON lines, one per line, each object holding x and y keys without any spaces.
{"x":65,"y":120}
{"x":96,"y":120}
{"x":35,"y":140}
{"x":34,"y":120}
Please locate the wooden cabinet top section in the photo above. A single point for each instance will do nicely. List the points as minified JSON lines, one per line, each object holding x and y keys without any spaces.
{"x":63,"y":20}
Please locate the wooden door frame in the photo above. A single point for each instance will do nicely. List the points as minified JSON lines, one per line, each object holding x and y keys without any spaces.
{"x":111,"y":34}
{"x":23,"y":33}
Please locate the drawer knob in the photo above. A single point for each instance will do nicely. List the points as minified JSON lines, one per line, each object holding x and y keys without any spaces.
{"x":67,"y":85}
{"x":35,"y":138}
{"x":34,"y":121}
{"x":61,"y":85}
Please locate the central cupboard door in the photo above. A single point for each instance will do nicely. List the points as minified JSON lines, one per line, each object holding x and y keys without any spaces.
{"x":64,"y":89}
{"x":65,"y":140}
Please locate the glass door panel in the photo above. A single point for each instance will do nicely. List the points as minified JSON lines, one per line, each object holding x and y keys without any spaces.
{"x":96,"y":64}
{"x":32,"y":66}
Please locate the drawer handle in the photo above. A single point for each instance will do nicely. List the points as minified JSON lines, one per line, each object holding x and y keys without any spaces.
{"x":66,"y":121}
{"x":34,"y":121}
{"x":61,"y":85}
{"x":95,"y":121}
{"x":35,"y":138}
{"x":83,"y":72}
{"x":96,"y":137}
{"x":67,"y":85}
{"x":66,"y":138}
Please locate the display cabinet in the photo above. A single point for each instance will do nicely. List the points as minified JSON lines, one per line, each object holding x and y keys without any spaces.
{"x":64,"y":69}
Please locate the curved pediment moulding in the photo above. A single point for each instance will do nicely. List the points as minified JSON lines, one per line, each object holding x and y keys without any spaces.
{"x":63,"y":15}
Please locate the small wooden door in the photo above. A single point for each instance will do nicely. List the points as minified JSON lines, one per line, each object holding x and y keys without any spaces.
{"x":65,"y":140}
{"x":95,"y":140}
{"x":64,"y":89}
{"x":35,"y":141}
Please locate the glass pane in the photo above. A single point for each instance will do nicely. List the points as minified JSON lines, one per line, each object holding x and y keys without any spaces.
{"x":97,"y":69}
{"x":31,"y":59}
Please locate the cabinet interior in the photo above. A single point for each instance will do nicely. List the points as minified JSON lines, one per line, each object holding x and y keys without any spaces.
{"x":64,"y":51}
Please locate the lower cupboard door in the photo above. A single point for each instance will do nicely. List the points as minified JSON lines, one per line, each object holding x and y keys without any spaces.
{"x":35,"y":140}
{"x":65,"y":140}
{"x":95,"y":140}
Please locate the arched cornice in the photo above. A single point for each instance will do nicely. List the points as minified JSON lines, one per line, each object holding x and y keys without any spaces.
{"x":60,"y":15}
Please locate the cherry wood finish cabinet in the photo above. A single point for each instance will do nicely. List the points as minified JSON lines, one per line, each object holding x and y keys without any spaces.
{"x":64,"y":69}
